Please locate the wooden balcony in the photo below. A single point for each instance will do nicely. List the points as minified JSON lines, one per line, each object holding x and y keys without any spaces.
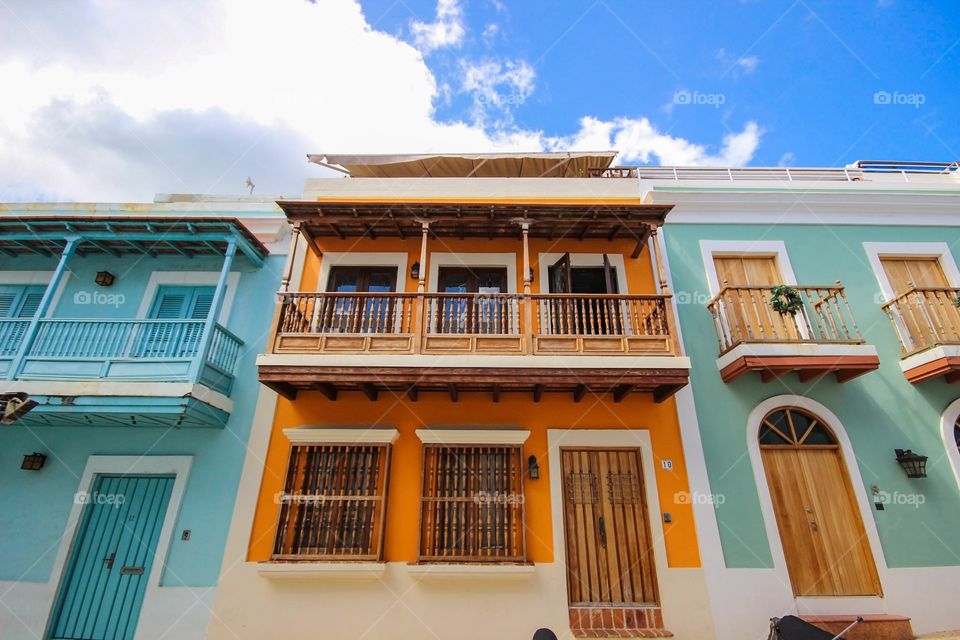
{"x":96,"y":353}
{"x":458,"y":342}
{"x":927,"y":322}
{"x":821,"y":338}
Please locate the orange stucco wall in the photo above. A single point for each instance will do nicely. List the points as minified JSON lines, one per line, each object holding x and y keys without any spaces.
{"x":555,"y":410}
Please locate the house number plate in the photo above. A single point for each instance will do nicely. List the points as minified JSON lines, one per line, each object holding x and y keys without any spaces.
{"x":131,"y":571}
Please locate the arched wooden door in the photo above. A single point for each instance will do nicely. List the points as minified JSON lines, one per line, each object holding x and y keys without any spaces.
{"x":824,"y":541}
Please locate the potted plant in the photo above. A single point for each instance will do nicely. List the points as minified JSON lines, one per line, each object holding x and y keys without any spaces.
{"x":785,"y":300}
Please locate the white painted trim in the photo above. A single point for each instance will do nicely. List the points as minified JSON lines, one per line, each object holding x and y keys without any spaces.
{"x":477,"y":260}
{"x":947,"y":421}
{"x":363,"y":259}
{"x":147,"y":388}
{"x":472,"y":436}
{"x":797,"y":349}
{"x":639,"y":438}
{"x":189,"y":279}
{"x":457,"y":361}
{"x":938,"y":250}
{"x":776,"y":248}
{"x":766,"y":502}
{"x":929,"y":355}
{"x":546,"y":260}
{"x":179,"y":466}
{"x":321,"y":570}
{"x":346,"y":435}
{"x":40,"y":278}
{"x":473,"y":571}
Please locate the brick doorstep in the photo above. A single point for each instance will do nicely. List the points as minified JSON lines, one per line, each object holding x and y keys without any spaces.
{"x":617,"y":622}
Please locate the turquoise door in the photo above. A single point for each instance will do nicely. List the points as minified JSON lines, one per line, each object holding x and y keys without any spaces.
{"x":110,"y":562}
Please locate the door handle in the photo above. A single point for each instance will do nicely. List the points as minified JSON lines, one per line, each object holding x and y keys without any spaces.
{"x":603,"y":532}
{"x":813,"y":525}
{"x":109,"y":560}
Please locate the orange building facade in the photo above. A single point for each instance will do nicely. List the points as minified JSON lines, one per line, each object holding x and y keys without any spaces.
{"x":467,"y":427}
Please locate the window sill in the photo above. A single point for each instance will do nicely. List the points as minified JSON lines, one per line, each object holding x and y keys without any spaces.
{"x":441,"y":571}
{"x":320,"y":570}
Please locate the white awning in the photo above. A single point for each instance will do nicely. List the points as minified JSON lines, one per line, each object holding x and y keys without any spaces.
{"x":565,"y":164}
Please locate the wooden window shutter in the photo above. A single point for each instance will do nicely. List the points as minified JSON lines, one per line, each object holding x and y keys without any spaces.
{"x":472,"y":504}
{"x":333,"y":503}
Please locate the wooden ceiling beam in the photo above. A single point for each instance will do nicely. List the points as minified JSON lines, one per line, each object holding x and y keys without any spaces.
{"x":370,"y":391}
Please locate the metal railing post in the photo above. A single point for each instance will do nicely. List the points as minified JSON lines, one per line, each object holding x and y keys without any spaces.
{"x":215,"y":306}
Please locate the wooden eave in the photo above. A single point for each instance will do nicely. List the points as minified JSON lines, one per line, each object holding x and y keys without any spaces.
{"x":609,"y":219}
{"x":287,"y":380}
{"x":807,"y":368}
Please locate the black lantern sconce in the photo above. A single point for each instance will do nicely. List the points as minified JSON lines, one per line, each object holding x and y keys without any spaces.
{"x":531,"y":274}
{"x":534,"y":468}
{"x":415,"y":271}
{"x":104,"y":278}
{"x":914,"y":464}
{"x":33,"y":461}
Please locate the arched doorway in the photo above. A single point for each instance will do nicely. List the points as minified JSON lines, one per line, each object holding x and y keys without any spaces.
{"x":824,"y":541}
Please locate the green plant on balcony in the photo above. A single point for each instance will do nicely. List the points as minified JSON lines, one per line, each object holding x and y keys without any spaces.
{"x":785,"y":300}
{"x":956,"y":301}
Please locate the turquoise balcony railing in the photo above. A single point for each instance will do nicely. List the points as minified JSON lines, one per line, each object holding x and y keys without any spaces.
{"x":154,"y":350}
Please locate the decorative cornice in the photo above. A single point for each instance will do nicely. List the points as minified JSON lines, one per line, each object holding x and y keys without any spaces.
{"x":345,"y":435}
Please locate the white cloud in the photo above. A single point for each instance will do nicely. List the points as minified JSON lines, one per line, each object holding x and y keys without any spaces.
{"x":639,"y":142}
{"x":748,"y":63}
{"x":787,"y":160}
{"x":446,"y":30}
{"x":118,"y":101}
{"x":497,"y":86}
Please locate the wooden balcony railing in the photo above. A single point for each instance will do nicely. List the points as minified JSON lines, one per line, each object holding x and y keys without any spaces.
{"x":925,"y":317}
{"x":743,"y":315}
{"x":480,"y":323}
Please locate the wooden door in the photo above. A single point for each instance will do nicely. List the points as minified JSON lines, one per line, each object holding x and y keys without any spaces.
{"x":609,"y":548}
{"x":928,"y":316}
{"x":747,"y":311}
{"x":824,"y":541}
{"x":477,"y":313}
{"x":110,"y":562}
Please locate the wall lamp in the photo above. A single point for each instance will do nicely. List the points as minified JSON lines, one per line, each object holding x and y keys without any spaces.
{"x":534,"y":468}
{"x":415,"y":271}
{"x":33,"y":461}
{"x":104,"y":278}
{"x":914,"y":464}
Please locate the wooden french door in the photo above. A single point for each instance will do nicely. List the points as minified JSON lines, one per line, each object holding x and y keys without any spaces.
{"x":748,"y":311}
{"x":478,"y":311}
{"x":824,"y":540}
{"x":926,"y":311}
{"x":368,"y":314}
{"x":609,"y":547}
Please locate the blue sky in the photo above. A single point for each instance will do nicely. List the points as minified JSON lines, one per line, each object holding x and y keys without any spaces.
{"x":808,"y":71}
{"x":119,"y":101}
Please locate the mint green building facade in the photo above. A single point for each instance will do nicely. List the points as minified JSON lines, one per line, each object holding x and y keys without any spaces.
{"x":841,"y":226}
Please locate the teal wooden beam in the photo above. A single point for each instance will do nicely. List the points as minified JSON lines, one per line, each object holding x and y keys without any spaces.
{"x":214,"y":313}
{"x":17,"y":364}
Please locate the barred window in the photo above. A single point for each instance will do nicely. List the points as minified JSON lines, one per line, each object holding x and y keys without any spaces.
{"x":333,"y":502}
{"x":472,"y":504}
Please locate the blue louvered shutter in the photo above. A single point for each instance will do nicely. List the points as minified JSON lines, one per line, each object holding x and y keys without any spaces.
{"x":20,"y":301}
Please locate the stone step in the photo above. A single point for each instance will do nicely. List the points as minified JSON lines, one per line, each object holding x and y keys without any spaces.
{"x":941,"y":635}
{"x":873,"y":627}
